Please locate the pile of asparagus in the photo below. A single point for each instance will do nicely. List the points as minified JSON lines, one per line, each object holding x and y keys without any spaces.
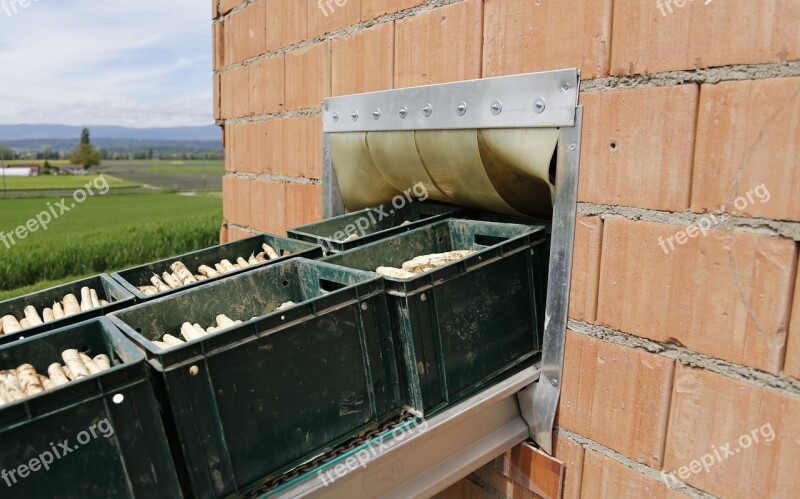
{"x":65,"y":308}
{"x":424,"y":263}
{"x":190,"y":332}
{"x":181,"y":276}
{"x":24,"y":381}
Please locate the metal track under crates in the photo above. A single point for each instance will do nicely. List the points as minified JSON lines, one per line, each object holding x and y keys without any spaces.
{"x":424,"y":458}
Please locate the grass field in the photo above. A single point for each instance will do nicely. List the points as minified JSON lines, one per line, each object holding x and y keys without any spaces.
{"x":63,"y":183}
{"x":208,"y":167}
{"x":104,"y":233}
{"x":40,"y":162}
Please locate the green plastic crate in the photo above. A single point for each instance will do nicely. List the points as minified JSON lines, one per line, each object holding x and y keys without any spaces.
{"x":109,"y":420}
{"x":107,"y":289}
{"x":372,"y":224}
{"x":251,"y":402}
{"x":140,"y":276}
{"x":463,"y":325}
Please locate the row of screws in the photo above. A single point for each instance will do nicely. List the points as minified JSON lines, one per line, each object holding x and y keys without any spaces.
{"x":496,"y":108}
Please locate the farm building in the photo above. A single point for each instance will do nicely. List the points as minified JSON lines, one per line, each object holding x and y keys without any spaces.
{"x":21,"y":170}
{"x":71,"y":170}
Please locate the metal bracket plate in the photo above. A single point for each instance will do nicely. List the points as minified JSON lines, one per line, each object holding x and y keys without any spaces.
{"x":545,"y":99}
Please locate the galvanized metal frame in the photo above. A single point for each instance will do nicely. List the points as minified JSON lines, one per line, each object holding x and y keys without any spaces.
{"x":546,"y":99}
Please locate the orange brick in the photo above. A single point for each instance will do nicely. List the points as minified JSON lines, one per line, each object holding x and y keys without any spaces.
{"x":464,"y":489}
{"x":331,"y":15}
{"x":792,"y":364}
{"x":214,"y":9}
{"x":245,"y":33}
{"x":235,"y":93}
{"x":621,"y":165}
{"x":266,"y":85}
{"x":702,"y":34}
{"x":308,"y":76}
{"x":363,"y":61}
{"x":269,"y":206}
{"x":303,"y":204}
{"x":216,"y":96}
{"x":570,"y":453}
{"x":314,"y":147}
{"x":616,"y":396}
{"x":223,"y":234}
{"x":370,"y":9}
{"x":236,"y":200}
{"x":532,"y":469}
{"x":492,"y":480}
{"x":257,"y":143}
{"x":605,"y":477}
{"x":287,"y":23}
{"x":226,"y":6}
{"x":585,"y":268}
{"x":218,"y":43}
{"x":236,"y":234}
{"x":742,"y":127}
{"x":726,"y":294}
{"x":521,"y":36}
{"x":710,"y":411}
{"x":439,"y":45}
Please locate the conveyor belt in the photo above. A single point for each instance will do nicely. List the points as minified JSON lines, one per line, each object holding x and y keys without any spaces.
{"x":428,"y":459}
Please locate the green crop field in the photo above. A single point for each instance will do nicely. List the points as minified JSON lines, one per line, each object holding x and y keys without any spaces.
{"x":209,"y":167}
{"x":102,"y":234}
{"x":63,"y":183}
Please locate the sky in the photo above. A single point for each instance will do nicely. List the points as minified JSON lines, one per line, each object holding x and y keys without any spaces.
{"x":135,"y":63}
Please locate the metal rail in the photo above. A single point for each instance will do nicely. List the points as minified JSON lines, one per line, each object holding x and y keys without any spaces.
{"x":434,"y":454}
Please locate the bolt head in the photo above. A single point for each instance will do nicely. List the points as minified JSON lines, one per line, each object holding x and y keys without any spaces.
{"x":376,"y":114}
{"x":539,"y":105}
{"x":427,"y":110}
{"x":335,"y":117}
{"x":497,"y":107}
{"x":354,"y":115}
{"x":403,"y":112}
{"x":461,"y":108}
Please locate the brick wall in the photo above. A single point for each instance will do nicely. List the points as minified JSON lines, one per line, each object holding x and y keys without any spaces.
{"x":684,"y":332}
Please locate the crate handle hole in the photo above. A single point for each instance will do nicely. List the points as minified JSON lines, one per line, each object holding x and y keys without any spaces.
{"x":330,"y":286}
{"x":118,"y":398}
{"x":285,"y":284}
{"x":138,"y":330}
{"x":482,"y":240}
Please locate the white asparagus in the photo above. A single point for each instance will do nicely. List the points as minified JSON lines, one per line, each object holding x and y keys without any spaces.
{"x":71,"y":305}
{"x":28,"y":380}
{"x":261,"y":257}
{"x":220,"y":268}
{"x":270,"y":251}
{"x":405,"y":223}
{"x":46,"y":383}
{"x":161,"y":345}
{"x":236,"y":266}
{"x":86,"y":299}
{"x":102,"y":361}
{"x":189,"y":333}
{"x":172,"y":281}
{"x":228,"y":266}
{"x":252,"y":260}
{"x":48,"y":315}
{"x":286,"y":305}
{"x":242,"y":262}
{"x":95,"y":298}
{"x":89,"y":363}
{"x":208,"y":271}
{"x":351,"y":237}
{"x":1,"y":328}
{"x":172,"y":341}
{"x":148,"y":290}
{"x":58,"y":311}
{"x":200,"y":277}
{"x":57,"y":375}
{"x":11,"y":387}
{"x":33,"y":316}
{"x":223,"y":321}
{"x":68,"y":373}
{"x":73,"y":361}
{"x":183,"y":273}
{"x":160,"y":285}
{"x":395,"y":273}
{"x":11,"y":325}
{"x":103,"y":303}
{"x":428,"y":262}
{"x":212,"y":330}
{"x":25,"y":324}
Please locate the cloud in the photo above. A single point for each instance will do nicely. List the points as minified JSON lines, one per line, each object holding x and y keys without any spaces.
{"x":116,"y":62}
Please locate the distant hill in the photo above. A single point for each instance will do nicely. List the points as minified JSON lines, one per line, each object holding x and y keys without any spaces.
{"x":16,"y":133}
